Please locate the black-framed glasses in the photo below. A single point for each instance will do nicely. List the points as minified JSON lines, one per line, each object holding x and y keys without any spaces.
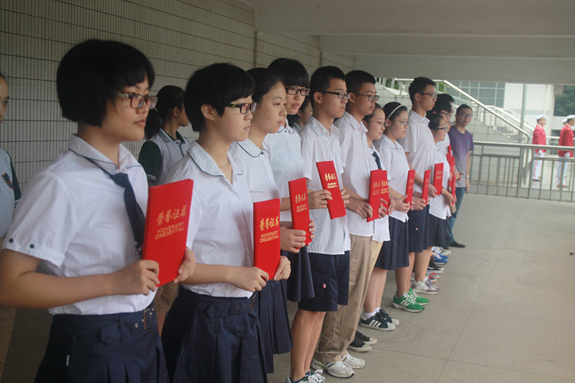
{"x":244,"y":108}
{"x":402,"y":122}
{"x":466,"y":115}
{"x":433,"y":95}
{"x":340,"y":94}
{"x":370,"y":97}
{"x":138,"y":100}
{"x":293,"y":90}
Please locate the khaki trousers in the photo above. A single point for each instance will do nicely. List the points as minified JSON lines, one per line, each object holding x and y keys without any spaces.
{"x":6,"y":324}
{"x":339,"y":327}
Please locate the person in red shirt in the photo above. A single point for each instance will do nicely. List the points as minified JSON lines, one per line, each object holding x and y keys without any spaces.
{"x":539,"y":138}
{"x":565,"y":139}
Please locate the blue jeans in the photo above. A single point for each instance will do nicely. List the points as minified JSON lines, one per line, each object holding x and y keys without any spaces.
{"x":459,"y":193}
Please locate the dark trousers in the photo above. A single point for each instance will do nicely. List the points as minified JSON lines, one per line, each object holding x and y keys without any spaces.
{"x":459,"y":194}
{"x":111,"y":348}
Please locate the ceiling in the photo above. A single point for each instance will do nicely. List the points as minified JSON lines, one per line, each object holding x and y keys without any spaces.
{"x":526,"y":41}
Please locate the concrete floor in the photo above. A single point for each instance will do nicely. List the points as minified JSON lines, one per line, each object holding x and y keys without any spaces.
{"x":505,"y":313}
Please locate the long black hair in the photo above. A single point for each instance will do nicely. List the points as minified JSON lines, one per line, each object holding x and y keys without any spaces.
{"x":265,"y":80}
{"x":169,"y":97}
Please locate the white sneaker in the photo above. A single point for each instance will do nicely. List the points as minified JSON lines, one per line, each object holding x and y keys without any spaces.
{"x":424,"y":287}
{"x":443,"y":251}
{"x":337,"y":369}
{"x":353,"y":362}
{"x":317,"y":377}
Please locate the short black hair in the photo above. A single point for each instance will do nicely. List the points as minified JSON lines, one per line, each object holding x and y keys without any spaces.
{"x":370,"y":116}
{"x":442,"y":105}
{"x":216,"y":85}
{"x":93,"y":72}
{"x":169,"y":97}
{"x":2,"y":76}
{"x":355,"y":79}
{"x":418,"y":85}
{"x":291,"y":72}
{"x":434,"y":119}
{"x":321,"y":79}
{"x":392,"y":109}
{"x":463,"y":106}
{"x":445,"y":97}
{"x":265,"y":80}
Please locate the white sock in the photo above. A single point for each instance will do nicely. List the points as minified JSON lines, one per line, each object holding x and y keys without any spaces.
{"x":377,"y":309}
{"x":366,"y":316}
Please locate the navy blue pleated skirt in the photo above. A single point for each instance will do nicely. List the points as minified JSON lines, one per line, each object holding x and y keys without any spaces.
{"x":213,"y":340}
{"x":437,"y":230}
{"x":274,"y":321}
{"x":395,"y":252}
{"x":300,"y":282}
{"x":114,"y":348}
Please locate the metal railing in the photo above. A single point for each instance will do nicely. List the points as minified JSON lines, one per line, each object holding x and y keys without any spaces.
{"x":506,"y":169}
{"x":495,"y":119}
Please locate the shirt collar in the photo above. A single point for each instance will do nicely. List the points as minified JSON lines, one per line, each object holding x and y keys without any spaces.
{"x":320,"y":130}
{"x":166,"y":137}
{"x":82,"y":148}
{"x":207,"y":164}
{"x":250,"y":148}
{"x":347,"y":117}
{"x":389,"y":142}
{"x":417,"y":118}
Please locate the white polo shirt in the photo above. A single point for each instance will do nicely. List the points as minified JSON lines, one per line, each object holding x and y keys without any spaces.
{"x":220,"y":229}
{"x":331,"y":236}
{"x":257,"y":169}
{"x":172,"y":152}
{"x":356,"y":168}
{"x":284,"y":152}
{"x":73,"y":218}
{"x":393,"y":158}
{"x":419,"y":143}
{"x":438,"y":207}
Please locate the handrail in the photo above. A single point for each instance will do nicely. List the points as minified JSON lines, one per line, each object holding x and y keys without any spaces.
{"x":529,"y":146}
{"x":488,"y":108}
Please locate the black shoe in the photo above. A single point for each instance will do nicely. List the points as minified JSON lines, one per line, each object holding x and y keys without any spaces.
{"x":457,"y":244}
{"x":359,"y":345}
{"x":366,"y":339}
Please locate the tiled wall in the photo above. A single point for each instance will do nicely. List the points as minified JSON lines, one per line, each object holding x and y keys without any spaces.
{"x":178,"y":36}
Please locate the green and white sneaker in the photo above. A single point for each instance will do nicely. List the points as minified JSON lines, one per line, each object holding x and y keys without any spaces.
{"x":406,"y":302}
{"x":420,"y":300}
{"x":338,"y":369}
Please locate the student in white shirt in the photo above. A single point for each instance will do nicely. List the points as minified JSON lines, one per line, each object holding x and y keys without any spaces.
{"x":269,"y":116}
{"x":439,"y":206}
{"x":303,"y":114}
{"x":329,"y":255}
{"x":164,"y":148}
{"x":419,"y":149}
{"x":394,"y":254}
{"x":99,"y":291}
{"x":357,"y":165}
{"x":444,"y":106}
{"x":211,"y":331}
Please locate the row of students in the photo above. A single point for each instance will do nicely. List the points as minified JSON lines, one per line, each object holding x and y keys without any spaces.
{"x":101,"y":293}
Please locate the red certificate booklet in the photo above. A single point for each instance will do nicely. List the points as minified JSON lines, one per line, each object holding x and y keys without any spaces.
{"x":299,"y":207}
{"x":453,"y":180}
{"x":267,"y":235}
{"x":449,"y":150}
{"x":425,"y":188}
{"x":166,"y":230}
{"x":409,"y":188}
{"x":328,"y":176}
{"x":378,"y":190}
{"x":438,"y":178}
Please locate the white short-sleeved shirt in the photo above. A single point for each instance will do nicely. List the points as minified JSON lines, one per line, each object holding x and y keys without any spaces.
{"x":284,"y":149}
{"x":444,"y":144}
{"x":257,"y":169}
{"x":438,"y":207}
{"x":73,"y":218}
{"x":419,"y":143}
{"x":393,"y":159}
{"x":172,"y":152}
{"x":221,"y":219}
{"x":357,"y":165}
{"x":331,"y":236}
{"x":381,"y":225}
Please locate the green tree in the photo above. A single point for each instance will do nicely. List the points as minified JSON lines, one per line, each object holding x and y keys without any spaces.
{"x":565,"y":103}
